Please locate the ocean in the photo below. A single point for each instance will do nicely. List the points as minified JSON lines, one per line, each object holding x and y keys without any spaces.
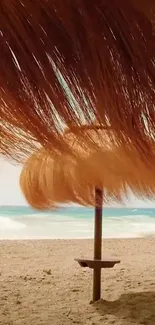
{"x":18,"y":222}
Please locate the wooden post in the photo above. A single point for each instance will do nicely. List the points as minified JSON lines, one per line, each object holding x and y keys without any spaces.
{"x":97,"y":244}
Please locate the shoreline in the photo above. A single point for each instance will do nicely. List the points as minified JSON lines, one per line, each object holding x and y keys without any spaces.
{"x":80,"y":239}
{"x":23,"y":224}
{"x":42,"y":284}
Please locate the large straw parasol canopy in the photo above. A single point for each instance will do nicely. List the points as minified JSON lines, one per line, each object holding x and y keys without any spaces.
{"x":70,"y":62}
{"x":49,"y":178}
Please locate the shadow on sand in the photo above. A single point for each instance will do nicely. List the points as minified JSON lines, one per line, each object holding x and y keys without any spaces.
{"x":139,"y":308}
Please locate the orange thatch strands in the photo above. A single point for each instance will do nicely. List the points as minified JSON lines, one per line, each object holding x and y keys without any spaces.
{"x":67,"y":63}
{"x":49,"y":179}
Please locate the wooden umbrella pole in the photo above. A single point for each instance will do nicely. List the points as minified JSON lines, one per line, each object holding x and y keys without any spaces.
{"x":97,"y":243}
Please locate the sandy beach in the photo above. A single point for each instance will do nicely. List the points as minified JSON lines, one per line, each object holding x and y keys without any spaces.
{"x":41,"y":284}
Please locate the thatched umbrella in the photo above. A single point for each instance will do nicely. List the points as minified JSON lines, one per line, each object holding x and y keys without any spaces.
{"x":92,"y":176}
{"x":70,"y":62}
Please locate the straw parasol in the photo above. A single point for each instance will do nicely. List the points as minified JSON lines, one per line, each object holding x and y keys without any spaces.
{"x":91,"y":177}
{"x":70,"y":62}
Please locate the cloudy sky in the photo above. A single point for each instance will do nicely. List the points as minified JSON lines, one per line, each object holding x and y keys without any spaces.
{"x":10,"y":193}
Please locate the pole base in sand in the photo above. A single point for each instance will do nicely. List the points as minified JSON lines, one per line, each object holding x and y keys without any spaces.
{"x":97,"y":265}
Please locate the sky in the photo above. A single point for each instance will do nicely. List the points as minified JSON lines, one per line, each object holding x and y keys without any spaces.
{"x":10,"y":193}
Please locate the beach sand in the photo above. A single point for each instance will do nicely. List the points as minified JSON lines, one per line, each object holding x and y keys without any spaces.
{"x":41,"y":284}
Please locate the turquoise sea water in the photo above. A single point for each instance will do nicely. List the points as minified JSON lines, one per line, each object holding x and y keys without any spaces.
{"x":74,"y":222}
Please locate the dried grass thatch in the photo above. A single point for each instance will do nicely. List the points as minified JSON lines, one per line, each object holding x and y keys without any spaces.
{"x":70,"y":62}
{"x":49,"y":179}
